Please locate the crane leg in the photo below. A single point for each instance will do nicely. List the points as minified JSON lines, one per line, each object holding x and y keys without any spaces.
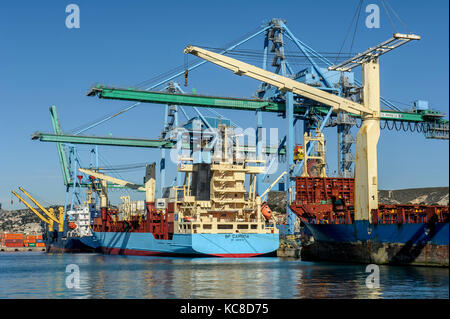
{"x":366,"y":173}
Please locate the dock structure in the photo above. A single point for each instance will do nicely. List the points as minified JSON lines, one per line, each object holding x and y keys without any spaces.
{"x":4,"y":249}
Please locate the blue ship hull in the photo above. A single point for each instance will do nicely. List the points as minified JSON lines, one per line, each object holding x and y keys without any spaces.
{"x":223,"y":245}
{"x":416,"y":244}
{"x":383,"y":233}
{"x":73,"y":245}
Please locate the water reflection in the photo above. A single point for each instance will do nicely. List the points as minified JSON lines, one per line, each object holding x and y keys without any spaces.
{"x":32,"y":275}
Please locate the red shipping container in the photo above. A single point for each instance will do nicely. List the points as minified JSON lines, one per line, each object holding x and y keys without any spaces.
{"x":13,"y":241}
{"x":13,"y":244}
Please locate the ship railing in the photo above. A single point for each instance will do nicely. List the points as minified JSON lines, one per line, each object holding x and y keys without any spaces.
{"x":409,"y":214}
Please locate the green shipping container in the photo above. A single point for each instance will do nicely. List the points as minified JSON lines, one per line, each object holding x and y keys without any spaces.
{"x":31,"y":244}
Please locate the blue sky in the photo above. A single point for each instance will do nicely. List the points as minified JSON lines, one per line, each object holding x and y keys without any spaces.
{"x":122,"y":43}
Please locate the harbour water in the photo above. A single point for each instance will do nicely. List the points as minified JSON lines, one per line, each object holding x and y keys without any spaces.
{"x":40,"y":275}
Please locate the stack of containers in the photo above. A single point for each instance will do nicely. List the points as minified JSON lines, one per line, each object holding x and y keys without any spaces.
{"x":31,"y":240}
{"x":39,"y":241}
{"x":13,"y":240}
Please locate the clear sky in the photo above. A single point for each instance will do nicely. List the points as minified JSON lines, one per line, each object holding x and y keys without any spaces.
{"x":122,"y":43}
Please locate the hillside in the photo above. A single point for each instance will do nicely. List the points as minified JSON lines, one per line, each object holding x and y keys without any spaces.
{"x":428,"y":196}
{"x":20,"y":221}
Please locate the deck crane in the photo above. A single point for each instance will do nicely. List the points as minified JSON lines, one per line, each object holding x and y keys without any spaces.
{"x":366,"y":181}
{"x":149,"y":186}
{"x":48,"y":212}
{"x":50,"y":219}
{"x":149,"y":181}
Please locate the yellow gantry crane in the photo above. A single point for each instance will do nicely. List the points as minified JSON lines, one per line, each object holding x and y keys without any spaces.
{"x":50,"y":219}
{"x":366,"y":176}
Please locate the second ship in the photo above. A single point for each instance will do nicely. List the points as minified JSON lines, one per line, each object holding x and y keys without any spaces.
{"x":212,"y":214}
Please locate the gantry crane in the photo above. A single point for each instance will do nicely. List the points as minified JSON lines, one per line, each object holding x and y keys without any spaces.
{"x":270,"y":99}
{"x":366,"y":179}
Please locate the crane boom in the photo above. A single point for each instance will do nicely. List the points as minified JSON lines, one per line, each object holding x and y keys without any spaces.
{"x":283,"y":83}
{"x":273,"y":184}
{"x":48,"y":213}
{"x":60,"y":147}
{"x":111,"y":179}
{"x":366,"y":172}
{"x":32,"y":208}
{"x":397,"y":40}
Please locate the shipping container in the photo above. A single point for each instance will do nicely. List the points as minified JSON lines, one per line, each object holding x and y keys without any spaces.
{"x":13,"y":244}
{"x":40,"y":244}
{"x":13,"y":241}
{"x":13,"y":236}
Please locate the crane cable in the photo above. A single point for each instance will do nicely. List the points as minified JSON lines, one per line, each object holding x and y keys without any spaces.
{"x":400,"y":20}
{"x":153,"y":80}
{"x":357,"y":12}
{"x":386,"y":5}
{"x":389,"y":16}
{"x":356,"y":24}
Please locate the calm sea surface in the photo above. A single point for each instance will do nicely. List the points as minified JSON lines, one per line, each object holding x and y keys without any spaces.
{"x":40,"y":275}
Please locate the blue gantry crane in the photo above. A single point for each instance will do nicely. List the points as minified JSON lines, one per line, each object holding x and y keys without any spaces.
{"x":268,"y":98}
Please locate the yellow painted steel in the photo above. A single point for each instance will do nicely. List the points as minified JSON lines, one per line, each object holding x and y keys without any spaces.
{"x":61,"y":219}
{"x":32,"y":208}
{"x":299,"y":153}
{"x":48,"y":213}
{"x":318,"y":155}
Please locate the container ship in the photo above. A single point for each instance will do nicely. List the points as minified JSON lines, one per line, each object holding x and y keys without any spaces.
{"x":394,"y":234}
{"x":212,"y":214}
{"x":74,"y":235}
{"x":70,"y":232}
